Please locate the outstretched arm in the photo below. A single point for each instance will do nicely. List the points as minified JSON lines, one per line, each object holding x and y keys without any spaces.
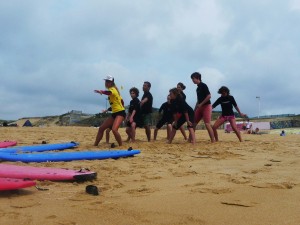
{"x":102,"y":92}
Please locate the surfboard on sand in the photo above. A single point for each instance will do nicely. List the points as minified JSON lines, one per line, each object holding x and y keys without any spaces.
{"x":45,"y":173}
{"x":41,"y":148}
{"x":14,"y":184}
{"x":66,"y":156}
{"x":5,"y":144}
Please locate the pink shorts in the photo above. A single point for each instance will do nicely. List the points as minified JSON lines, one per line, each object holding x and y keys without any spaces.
{"x":204,"y":112}
{"x":227,"y":118}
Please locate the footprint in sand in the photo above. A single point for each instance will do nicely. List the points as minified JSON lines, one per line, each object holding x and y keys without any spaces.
{"x":239,"y":180}
{"x":10,"y":214}
{"x":22,"y":205}
{"x":118,"y":185}
{"x":51,"y":217}
{"x":151,"y":177}
{"x":194,"y":185}
{"x":282,"y":185}
{"x":211,"y":190}
{"x":142,"y":191}
{"x":67,"y":223}
{"x":239,"y":203}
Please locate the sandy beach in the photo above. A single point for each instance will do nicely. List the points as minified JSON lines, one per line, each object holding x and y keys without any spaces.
{"x":225,"y":183}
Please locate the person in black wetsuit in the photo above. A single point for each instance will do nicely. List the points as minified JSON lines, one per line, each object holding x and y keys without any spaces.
{"x":182,"y":113}
{"x":167,"y":118}
{"x":203,"y":108}
{"x":146,"y":108}
{"x":133,"y":117}
{"x":181,"y":87}
{"x":227,"y":103}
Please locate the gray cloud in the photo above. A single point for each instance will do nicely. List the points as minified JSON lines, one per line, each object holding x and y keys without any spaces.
{"x":53,"y":54}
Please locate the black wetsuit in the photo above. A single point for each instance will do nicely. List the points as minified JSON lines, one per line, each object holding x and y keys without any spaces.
{"x":135,"y":105}
{"x":167,"y":116}
{"x":227,"y":103}
{"x":179,"y":107}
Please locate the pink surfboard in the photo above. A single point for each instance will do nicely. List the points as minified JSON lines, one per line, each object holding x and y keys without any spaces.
{"x":14,"y":184}
{"x":5,"y":144}
{"x":45,"y":173}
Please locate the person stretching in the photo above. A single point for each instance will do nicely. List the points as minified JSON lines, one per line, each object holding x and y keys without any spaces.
{"x":118,"y":111}
{"x":227,"y":102}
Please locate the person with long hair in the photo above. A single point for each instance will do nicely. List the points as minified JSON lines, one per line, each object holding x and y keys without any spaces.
{"x":118,"y":111}
{"x":182,"y":113}
{"x":227,"y":103}
{"x":181,"y":87}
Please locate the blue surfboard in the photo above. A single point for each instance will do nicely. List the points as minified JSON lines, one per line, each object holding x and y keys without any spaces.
{"x":40,"y":148}
{"x":66,"y":156}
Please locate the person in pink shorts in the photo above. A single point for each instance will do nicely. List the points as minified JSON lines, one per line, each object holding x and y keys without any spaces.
{"x":203,"y":107}
{"x":227,"y":103}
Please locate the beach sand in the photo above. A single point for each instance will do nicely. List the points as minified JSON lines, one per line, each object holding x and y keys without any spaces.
{"x":225,"y":183}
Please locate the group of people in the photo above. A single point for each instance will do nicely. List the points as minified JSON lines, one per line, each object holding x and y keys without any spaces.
{"x":175,"y":111}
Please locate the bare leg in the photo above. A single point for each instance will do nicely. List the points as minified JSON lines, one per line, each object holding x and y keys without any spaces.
{"x":148,"y":132}
{"x":169,"y":129}
{"x":183,"y":132}
{"x":234,"y":127}
{"x":194,"y":127}
{"x":133,"y":127}
{"x":107,"y":135}
{"x":155,"y":134}
{"x":198,"y":117}
{"x":117,"y":122}
{"x":172,"y":135}
{"x":216,"y":125}
{"x":210,"y":132}
{"x":192,"y":135}
{"x":106,"y":124}
{"x":128,"y":131}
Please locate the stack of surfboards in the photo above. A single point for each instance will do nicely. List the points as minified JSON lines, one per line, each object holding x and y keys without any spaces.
{"x":16,"y":177}
{"x":44,"y":153}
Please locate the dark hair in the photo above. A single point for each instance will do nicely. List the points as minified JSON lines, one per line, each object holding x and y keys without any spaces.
{"x":224,"y":89}
{"x":176,"y":92}
{"x":148,"y":83}
{"x":181,"y":85}
{"x":196,"y":75}
{"x":135,"y":90}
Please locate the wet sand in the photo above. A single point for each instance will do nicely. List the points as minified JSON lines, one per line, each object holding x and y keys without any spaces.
{"x":253,"y":182}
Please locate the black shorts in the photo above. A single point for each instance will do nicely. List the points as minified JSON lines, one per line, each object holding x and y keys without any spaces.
{"x":120,"y":113}
{"x":181,"y":120}
{"x":163,"y":121}
{"x":138,"y":124}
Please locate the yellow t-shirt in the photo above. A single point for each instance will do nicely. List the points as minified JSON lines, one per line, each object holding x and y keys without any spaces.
{"x":115,"y":100}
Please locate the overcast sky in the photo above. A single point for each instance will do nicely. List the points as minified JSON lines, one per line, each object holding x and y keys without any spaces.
{"x":53,"y":54}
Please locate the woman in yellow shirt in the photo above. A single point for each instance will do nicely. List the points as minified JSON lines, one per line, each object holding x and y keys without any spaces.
{"x":118,"y":111}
